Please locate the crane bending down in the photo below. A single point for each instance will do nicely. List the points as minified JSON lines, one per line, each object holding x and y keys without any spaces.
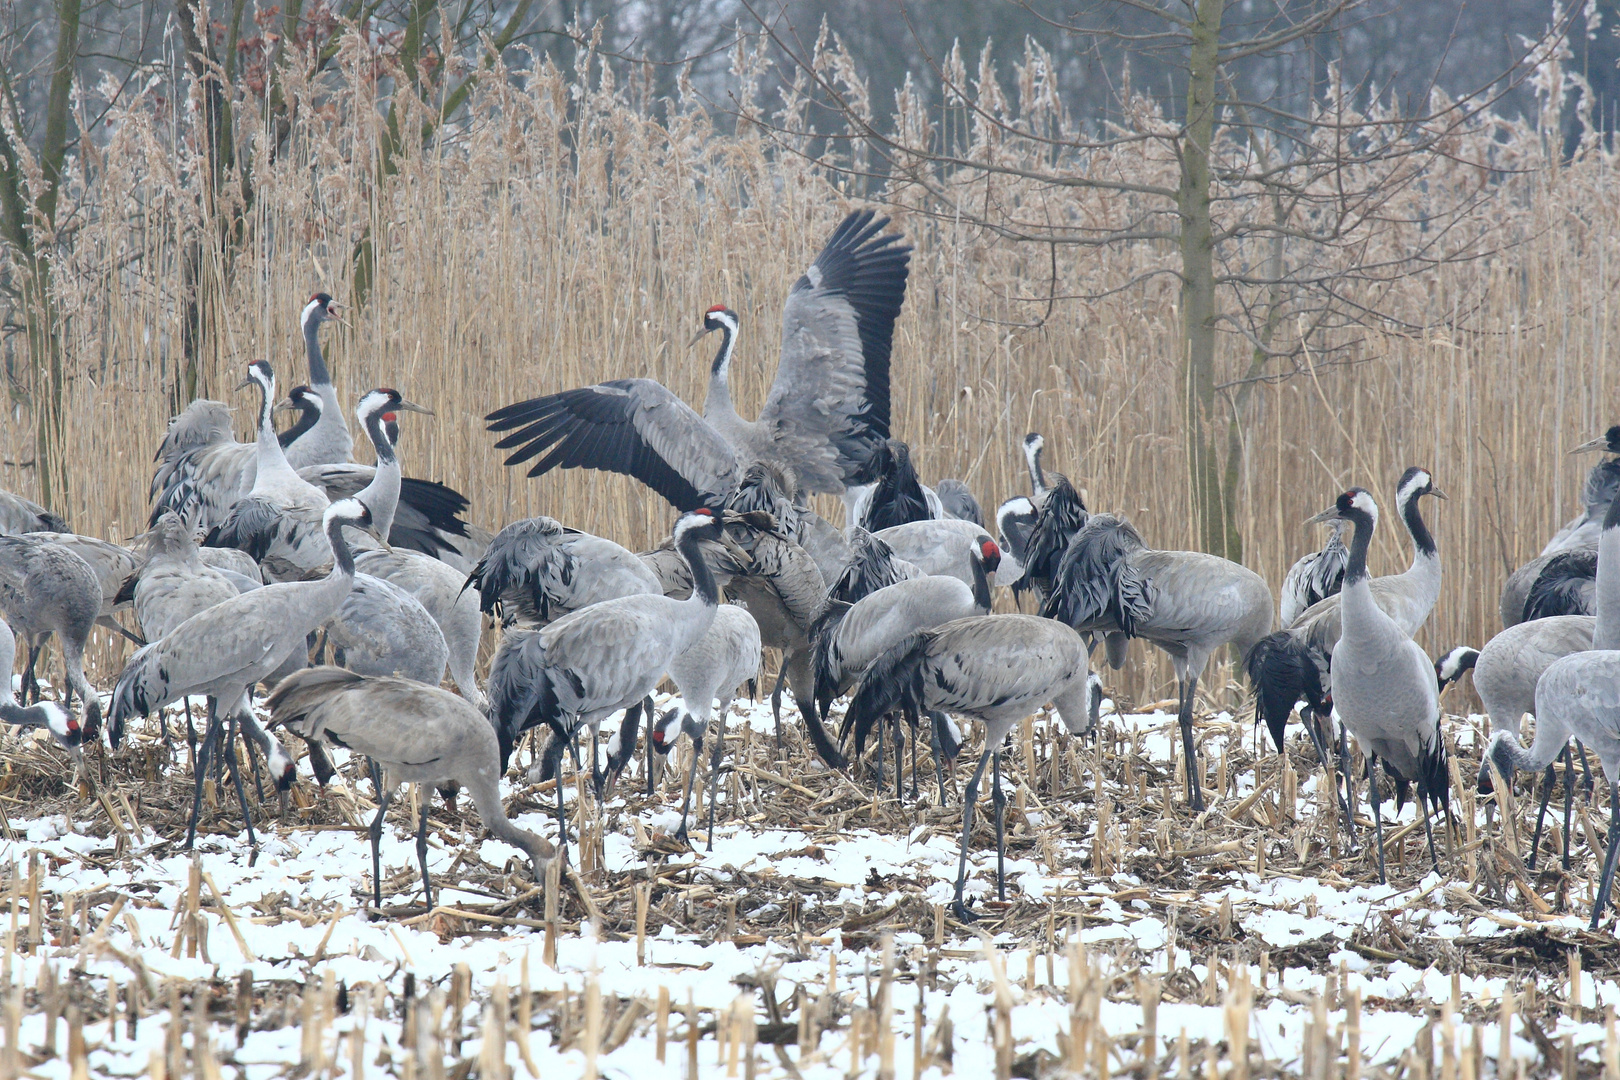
{"x":46,"y":589}
{"x":572,"y":674}
{"x":996,"y":669}
{"x":1579,"y":695}
{"x":222,"y":652}
{"x":725,"y":657}
{"x":1186,"y":602}
{"x":417,"y":734}
{"x":45,"y":714}
{"x":1384,"y":685}
{"x":826,"y":412}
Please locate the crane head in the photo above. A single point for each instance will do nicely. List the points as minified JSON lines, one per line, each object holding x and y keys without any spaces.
{"x":320,"y":307}
{"x":718,"y":317}
{"x":1354,"y":503}
{"x":300,"y":399}
{"x":1609,"y":442}
{"x":259,"y":374}
{"x":1415,"y":483}
{"x":989,"y":554}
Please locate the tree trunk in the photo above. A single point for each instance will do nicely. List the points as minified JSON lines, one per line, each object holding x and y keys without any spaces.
{"x":1215,"y":532}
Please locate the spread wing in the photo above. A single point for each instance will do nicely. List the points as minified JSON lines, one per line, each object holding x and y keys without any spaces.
{"x":636,"y":427}
{"x":829,"y":406}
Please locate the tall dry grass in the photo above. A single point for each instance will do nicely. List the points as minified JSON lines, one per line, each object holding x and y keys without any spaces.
{"x":563,"y":237}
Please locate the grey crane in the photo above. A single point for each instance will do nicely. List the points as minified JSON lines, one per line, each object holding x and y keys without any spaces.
{"x":996,"y":669}
{"x":221,"y":652}
{"x":848,"y":638}
{"x":1314,"y":577}
{"x":20,"y":515}
{"x":427,"y":516}
{"x":1294,"y":663}
{"x":202,"y":471}
{"x":1559,"y":594}
{"x":946,"y":546}
{"x":173,"y":584}
{"x":1384,"y":686}
{"x":417,"y":734}
{"x":1187,"y":603}
{"x":44,"y":714}
{"x":537,"y":570}
{"x":1579,"y":696}
{"x":47,"y":589}
{"x":725,"y":657}
{"x":278,"y":522}
{"x":826,"y":412}
{"x":112,"y":563}
{"x":328,"y":440}
{"x":432,"y":583}
{"x":573,"y":673}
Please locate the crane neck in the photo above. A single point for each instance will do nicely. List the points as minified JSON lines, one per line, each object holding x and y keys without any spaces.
{"x":319,"y":376}
{"x":1508,"y":754}
{"x":1606,"y":627}
{"x":487,"y":801}
{"x":1423,"y":546}
{"x":1355,"y":571}
{"x":342,"y":554}
{"x":705,"y":591}
{"x":271,"y":458}
{"x":308,"y":416}
{"x":981,"y":585}
{"x":382,"y":494}
{"x":719,"y":400}
{"x":1037,"y":475}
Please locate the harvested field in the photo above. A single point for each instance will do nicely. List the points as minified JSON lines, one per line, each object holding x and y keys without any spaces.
{"x":815,"y":939}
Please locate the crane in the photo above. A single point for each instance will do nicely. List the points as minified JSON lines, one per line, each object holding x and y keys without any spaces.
{"x":996,"y":669}
{"x":826,"y":412}
{"x":1384,"y":686}
{"x":222,"y":652}
{"x":47,"y":589}
{"x":416,"y":734}
{"x":1188,"y":603}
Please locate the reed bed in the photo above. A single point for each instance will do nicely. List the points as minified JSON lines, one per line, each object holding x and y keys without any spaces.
{"x":561,"y":236}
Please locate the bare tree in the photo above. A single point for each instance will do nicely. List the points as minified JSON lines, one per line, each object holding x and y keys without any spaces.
{"x":1291,"y":207}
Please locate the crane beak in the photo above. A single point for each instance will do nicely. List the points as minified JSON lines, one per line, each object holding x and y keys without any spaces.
{"x":1599,"y":443}
{"x":697,"y":337}
{"x":1330,"y":514}
{"x":245,"y":383}
{"x":411,"y":406}
{"x":1437,"y":493}
{"x":284,"y":405}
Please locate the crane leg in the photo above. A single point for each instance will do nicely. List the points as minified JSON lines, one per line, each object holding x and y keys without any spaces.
{"x":776,"y":705}
{"x":421,"y":849}
{"x":375,"y":830}
{"x":1569,"y":799}
{"x":999,"y":799}
{"x":1349,"y":784}
{"x":883,"y":722}
{"x":562,"y":822}
{"x":1195,"y":790}
{"x":714,"y":774}
{"x":691,"y":776}
{"x":958,"y":908}
{"x":1547,"y":781}
{"x":899,"y":759}
{"x":1606,"y":882}
{"x":1377,"y":799}
{"x":1424,"y":799}
{"x":1311,"y":721}
{"x":934,"y":723}
{"x":236,"y":777}
{"x":199,"y":770}
{"x":30,"y":682}
{"x":916,"y":737}
{"x":1580,"y":750}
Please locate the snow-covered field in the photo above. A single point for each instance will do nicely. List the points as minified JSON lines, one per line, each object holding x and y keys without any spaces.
{"x":812,"y":941}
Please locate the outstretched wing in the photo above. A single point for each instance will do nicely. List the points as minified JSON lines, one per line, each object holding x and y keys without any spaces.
{"x":829,"y":406}
{"x":636,"y":427}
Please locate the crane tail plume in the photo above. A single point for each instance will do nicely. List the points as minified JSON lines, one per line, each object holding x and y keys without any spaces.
{"x":893,"y":681}
{"x":1283,"y":671}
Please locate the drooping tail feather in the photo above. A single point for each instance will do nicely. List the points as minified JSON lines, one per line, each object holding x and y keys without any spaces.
{"x":893,"y":681}
{"x":521,"y":695}
{"x":1283,"y":671}
{"x":823,"y":661}
{"x":1096,"y":585}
